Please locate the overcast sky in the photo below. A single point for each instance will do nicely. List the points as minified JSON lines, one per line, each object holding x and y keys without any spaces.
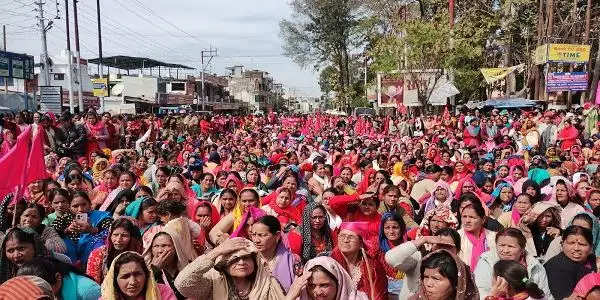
{"x":245,"y":33}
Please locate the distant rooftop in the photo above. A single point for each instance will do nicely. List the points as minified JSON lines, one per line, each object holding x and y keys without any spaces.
{"x":135,"y":63}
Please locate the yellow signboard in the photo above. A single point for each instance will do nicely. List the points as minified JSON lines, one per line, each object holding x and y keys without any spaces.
{"x":569,"y":53}
{"x":564,"y":53}
{"x":100,"y":87}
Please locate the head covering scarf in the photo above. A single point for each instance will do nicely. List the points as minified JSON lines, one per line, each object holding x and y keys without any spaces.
{"x":179,"y":231}
{"x":367,"y":278}
{"x":587,"y":284}
{"x":442,"y":212}
{"x":433,"y":202}
{"x":308,"y":248}
{"x":496,"y":193}
{"x":262,"y":279}
{"x":9,"y":269}
{"x":239,"y":185}
{"x":465,"y":286}
{"x":98,"y":173}
{"x":595,"y":231}
{"x":345,"y":287}
{"x":539,"y":176}
{"x":384,"y":243}
{"x":241,"y":229}
{"x":214,"y":213}
{"x":26,"y":288}
{"x":397,"y":173}
{"x":110,"y":292}
{"x":238,"y":213}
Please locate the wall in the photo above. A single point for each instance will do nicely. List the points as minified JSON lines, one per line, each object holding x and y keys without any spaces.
{"x":140,"y":87}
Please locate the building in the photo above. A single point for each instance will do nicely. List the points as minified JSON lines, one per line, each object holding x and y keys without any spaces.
{"x":59,"y":76}
{"x":254,"y":87}
{"x":307,"y":105}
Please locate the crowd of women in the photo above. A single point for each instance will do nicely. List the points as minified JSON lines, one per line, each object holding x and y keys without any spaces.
{"x":472,"y":205}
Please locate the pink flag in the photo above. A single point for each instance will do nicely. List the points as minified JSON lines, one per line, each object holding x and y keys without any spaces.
{"x":13,"y":163}
{"x":36,"y":164}
{"x":23,"y":164}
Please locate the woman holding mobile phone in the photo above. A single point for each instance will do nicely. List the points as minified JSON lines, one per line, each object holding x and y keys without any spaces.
{"x":82,"y":229}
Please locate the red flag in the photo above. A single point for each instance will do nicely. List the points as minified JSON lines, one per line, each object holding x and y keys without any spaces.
{"x":36,"y":164}
{"x":12,"y":164}
{"x":24,"y":163}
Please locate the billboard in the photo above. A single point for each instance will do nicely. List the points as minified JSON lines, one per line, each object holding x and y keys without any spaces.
{"x":4,"y":66}
{"x":100,"y":87}
{"x":563,"y":81}
{"x":403,"y":90}
{"x":16,"y":65}
{"x":564,"y":53}
{"x":392,"y":92}
{"x":51,"y":99}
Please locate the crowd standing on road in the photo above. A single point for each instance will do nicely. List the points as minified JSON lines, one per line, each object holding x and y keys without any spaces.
{"x":493,"y":205}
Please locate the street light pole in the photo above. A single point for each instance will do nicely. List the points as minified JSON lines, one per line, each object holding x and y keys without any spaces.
{"x":78,"y":52}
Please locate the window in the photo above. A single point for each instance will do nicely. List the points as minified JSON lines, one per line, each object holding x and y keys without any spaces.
{"x":59,"y":76}
{"x":177,"y":86}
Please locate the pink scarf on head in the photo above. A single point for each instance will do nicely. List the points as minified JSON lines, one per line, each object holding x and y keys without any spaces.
{"x":479,"y":246}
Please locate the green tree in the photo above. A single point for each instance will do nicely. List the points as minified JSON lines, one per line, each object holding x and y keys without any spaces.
{"x":324,"y":33}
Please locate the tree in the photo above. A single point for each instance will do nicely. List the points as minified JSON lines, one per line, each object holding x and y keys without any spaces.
{"x":323,"y":33}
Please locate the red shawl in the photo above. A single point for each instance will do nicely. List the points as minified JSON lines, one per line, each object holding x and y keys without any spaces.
{"x":373,"y":282}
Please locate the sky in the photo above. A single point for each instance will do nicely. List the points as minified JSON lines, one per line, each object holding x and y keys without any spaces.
{"x":245,"y":32}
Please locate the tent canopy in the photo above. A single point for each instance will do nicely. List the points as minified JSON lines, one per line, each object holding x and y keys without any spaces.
{"x":504,"y":103}
{"x":134,"y":63}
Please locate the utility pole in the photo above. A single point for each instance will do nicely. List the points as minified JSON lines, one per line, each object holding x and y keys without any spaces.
{"x":44,"y":56}
{"x":549,"y":32}
{"x":4,"y":47}
{"x":209,"y":54}
{"x":77,"y":50}
{"x":100,"y":71}
{"x":69,"y":58}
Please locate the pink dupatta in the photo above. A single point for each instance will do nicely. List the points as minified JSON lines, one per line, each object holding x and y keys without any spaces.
{"x":479,"y":246}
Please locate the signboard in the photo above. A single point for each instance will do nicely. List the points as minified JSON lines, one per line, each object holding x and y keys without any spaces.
{"x":562,"y":81}
{"x":17,"y":68}
{"x":16,"y":65}
{"x":4,"y":66}
{"x":564,"y":53}
{"x":51,"y":99}
{"x":100,"y":87}
{"x":404,"y":91}
{"x":392,"y":92}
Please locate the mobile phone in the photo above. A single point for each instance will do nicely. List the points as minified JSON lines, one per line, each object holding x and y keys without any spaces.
{"x":81,"y":218}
